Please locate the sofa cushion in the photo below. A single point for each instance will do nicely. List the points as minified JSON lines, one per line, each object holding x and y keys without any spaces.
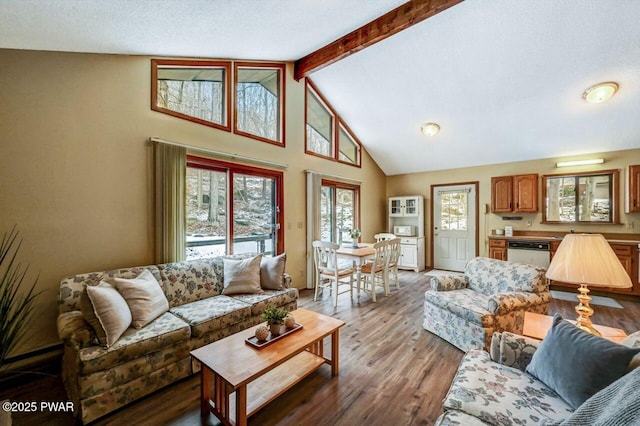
{"x":271,"y":272}
{"x":577,"y":364}
{"x":498,"y":394}
{"x":490,"y":276}
{"x":193,"y":280}
{"x":259,"y":302}
{"x":106,"y":311}
{"x":465,"y":303}
{"x":242,"y":276}
{"x":144,"y":296}
{"x":164,"y":331}
{"x":211,"y":314}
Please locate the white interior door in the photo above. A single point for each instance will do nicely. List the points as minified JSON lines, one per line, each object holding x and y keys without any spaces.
{"x":454,"y":226}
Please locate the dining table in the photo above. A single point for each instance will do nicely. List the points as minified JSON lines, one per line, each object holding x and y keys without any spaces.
{"x":358,"y":256}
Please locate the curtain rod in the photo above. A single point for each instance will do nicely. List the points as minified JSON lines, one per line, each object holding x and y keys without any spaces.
{"x":221,"y":153}
{"x":335,"y":176}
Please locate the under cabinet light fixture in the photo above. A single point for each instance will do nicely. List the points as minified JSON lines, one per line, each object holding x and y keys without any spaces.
{"x":580,"y":162}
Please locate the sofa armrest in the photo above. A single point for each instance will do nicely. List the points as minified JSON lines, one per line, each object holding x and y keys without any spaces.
{"x":286,"y":280}
{"x":513,"y":350}
{"x":449,"y":282}
{"x":75,"y":331}
{"x":501,"y":303}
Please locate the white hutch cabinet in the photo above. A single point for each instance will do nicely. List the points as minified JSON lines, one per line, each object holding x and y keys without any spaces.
{"x":409,"y":211}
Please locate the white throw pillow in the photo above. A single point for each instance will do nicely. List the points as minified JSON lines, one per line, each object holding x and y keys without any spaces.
{"x":144,"y":296}
{"x":242,"y":276}
{"x":110,"y":314}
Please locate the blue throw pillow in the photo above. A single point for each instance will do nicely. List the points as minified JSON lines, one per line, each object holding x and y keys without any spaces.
{"x":576,"y":364}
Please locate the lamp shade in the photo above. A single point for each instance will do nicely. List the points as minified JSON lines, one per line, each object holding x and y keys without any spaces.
{"x":587,"y":259}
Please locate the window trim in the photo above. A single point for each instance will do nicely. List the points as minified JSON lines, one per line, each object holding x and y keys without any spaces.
{"x":236,"y":168}
{"x":349,"y":186}
{"x":281,"y":100}
{"x":226,"y":126}
{"x":334,"y":117}
{"x":615,"y":197}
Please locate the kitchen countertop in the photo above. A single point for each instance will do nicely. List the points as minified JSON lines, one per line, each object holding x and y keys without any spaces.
{"x":552,"y":238}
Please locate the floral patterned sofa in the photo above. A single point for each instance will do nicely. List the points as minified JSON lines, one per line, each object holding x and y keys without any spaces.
{"x":492,"y":388}
{"x":491,"y":296}
{"x":99,"y":380}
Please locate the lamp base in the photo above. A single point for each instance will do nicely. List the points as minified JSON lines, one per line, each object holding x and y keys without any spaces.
{"x":584,"y":311}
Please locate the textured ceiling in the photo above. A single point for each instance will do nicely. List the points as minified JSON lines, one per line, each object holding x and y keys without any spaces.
{"x":503,"y":78}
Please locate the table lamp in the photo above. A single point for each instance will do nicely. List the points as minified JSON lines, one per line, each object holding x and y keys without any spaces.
{"x":587,"y":260}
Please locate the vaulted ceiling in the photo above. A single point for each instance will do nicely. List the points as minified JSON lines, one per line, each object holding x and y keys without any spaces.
{"x":504,"y":79}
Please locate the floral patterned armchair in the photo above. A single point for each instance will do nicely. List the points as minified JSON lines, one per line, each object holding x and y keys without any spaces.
{"x":491,"y":296}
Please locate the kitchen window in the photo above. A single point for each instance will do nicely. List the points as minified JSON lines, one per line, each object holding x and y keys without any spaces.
{"x":590,"y":197}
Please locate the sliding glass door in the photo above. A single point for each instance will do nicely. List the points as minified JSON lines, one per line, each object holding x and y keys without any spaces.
{"x":232,"y":208}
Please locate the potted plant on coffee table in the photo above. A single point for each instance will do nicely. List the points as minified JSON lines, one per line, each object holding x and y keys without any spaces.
{"x":275,"y":318}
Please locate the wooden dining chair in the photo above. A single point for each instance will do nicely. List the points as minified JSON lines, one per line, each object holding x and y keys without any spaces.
{"x":383,"y":236}
{"x":373,"y":273}
{"x":392,"y":265}
{"x":329,"y":273}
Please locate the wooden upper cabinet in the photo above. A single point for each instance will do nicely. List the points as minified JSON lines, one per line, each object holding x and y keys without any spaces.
{"x":633,"y":200}
{"x":525,"y":193}
{"x":514,"y":194}
{"x":502,"y":194}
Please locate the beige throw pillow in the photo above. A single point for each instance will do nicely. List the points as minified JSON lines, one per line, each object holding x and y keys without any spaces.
{"x":242,"y":276}
{"x":144,"y":296}
{"x":106,"y":311}
{"x":271,"y":271}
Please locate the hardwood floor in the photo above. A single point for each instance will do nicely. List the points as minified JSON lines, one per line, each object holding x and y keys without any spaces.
{"x":392,"y":371}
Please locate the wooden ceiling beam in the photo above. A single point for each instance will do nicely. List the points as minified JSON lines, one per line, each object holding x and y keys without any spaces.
{"x":398,"y":19}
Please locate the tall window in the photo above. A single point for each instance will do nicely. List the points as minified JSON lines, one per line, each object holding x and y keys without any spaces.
{"x":339,"y":210}
{"x":260,"y":101}
{"x":193,"y":90}
{"x":326,"y":134}
{"x":232,"y":208}
{"x":581,"y":197}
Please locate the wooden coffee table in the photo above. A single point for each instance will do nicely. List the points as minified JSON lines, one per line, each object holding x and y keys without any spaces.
{"x":258,"y":376}
{"x":537,"y":326}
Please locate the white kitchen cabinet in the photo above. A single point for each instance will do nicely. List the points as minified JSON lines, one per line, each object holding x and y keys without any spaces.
{"x":410,"y":206}
{"x":412,"y":253}
{"x":409,"y":211}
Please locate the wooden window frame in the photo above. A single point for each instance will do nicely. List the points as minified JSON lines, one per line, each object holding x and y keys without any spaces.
{"x":310,"y":86}
{"x":235,"y":168}
{"x":281,"y":100}
{"x":226,"y":126}
{"x":355,"y":140}
{"x":615,"y":197}
{"x":349,"y":186}
{"x":335,"y":130}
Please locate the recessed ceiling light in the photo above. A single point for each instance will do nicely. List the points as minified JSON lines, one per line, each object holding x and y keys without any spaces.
{"x":430,"y":129}
{"x":600,"y":92}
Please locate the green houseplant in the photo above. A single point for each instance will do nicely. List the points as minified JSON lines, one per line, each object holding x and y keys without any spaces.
{"x":275,"y":318}
{"x":15,"y":306}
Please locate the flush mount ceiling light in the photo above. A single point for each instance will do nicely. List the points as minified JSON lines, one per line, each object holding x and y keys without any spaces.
{"x":600,"y":92}
{"x":580,"y":162}
{"x":430,"y":129}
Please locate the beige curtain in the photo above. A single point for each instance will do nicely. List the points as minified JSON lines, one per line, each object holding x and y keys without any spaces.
{"x":170,"y":192}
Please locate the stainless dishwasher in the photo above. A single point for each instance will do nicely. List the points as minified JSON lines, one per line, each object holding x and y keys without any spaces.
{"x":529,"y":252}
